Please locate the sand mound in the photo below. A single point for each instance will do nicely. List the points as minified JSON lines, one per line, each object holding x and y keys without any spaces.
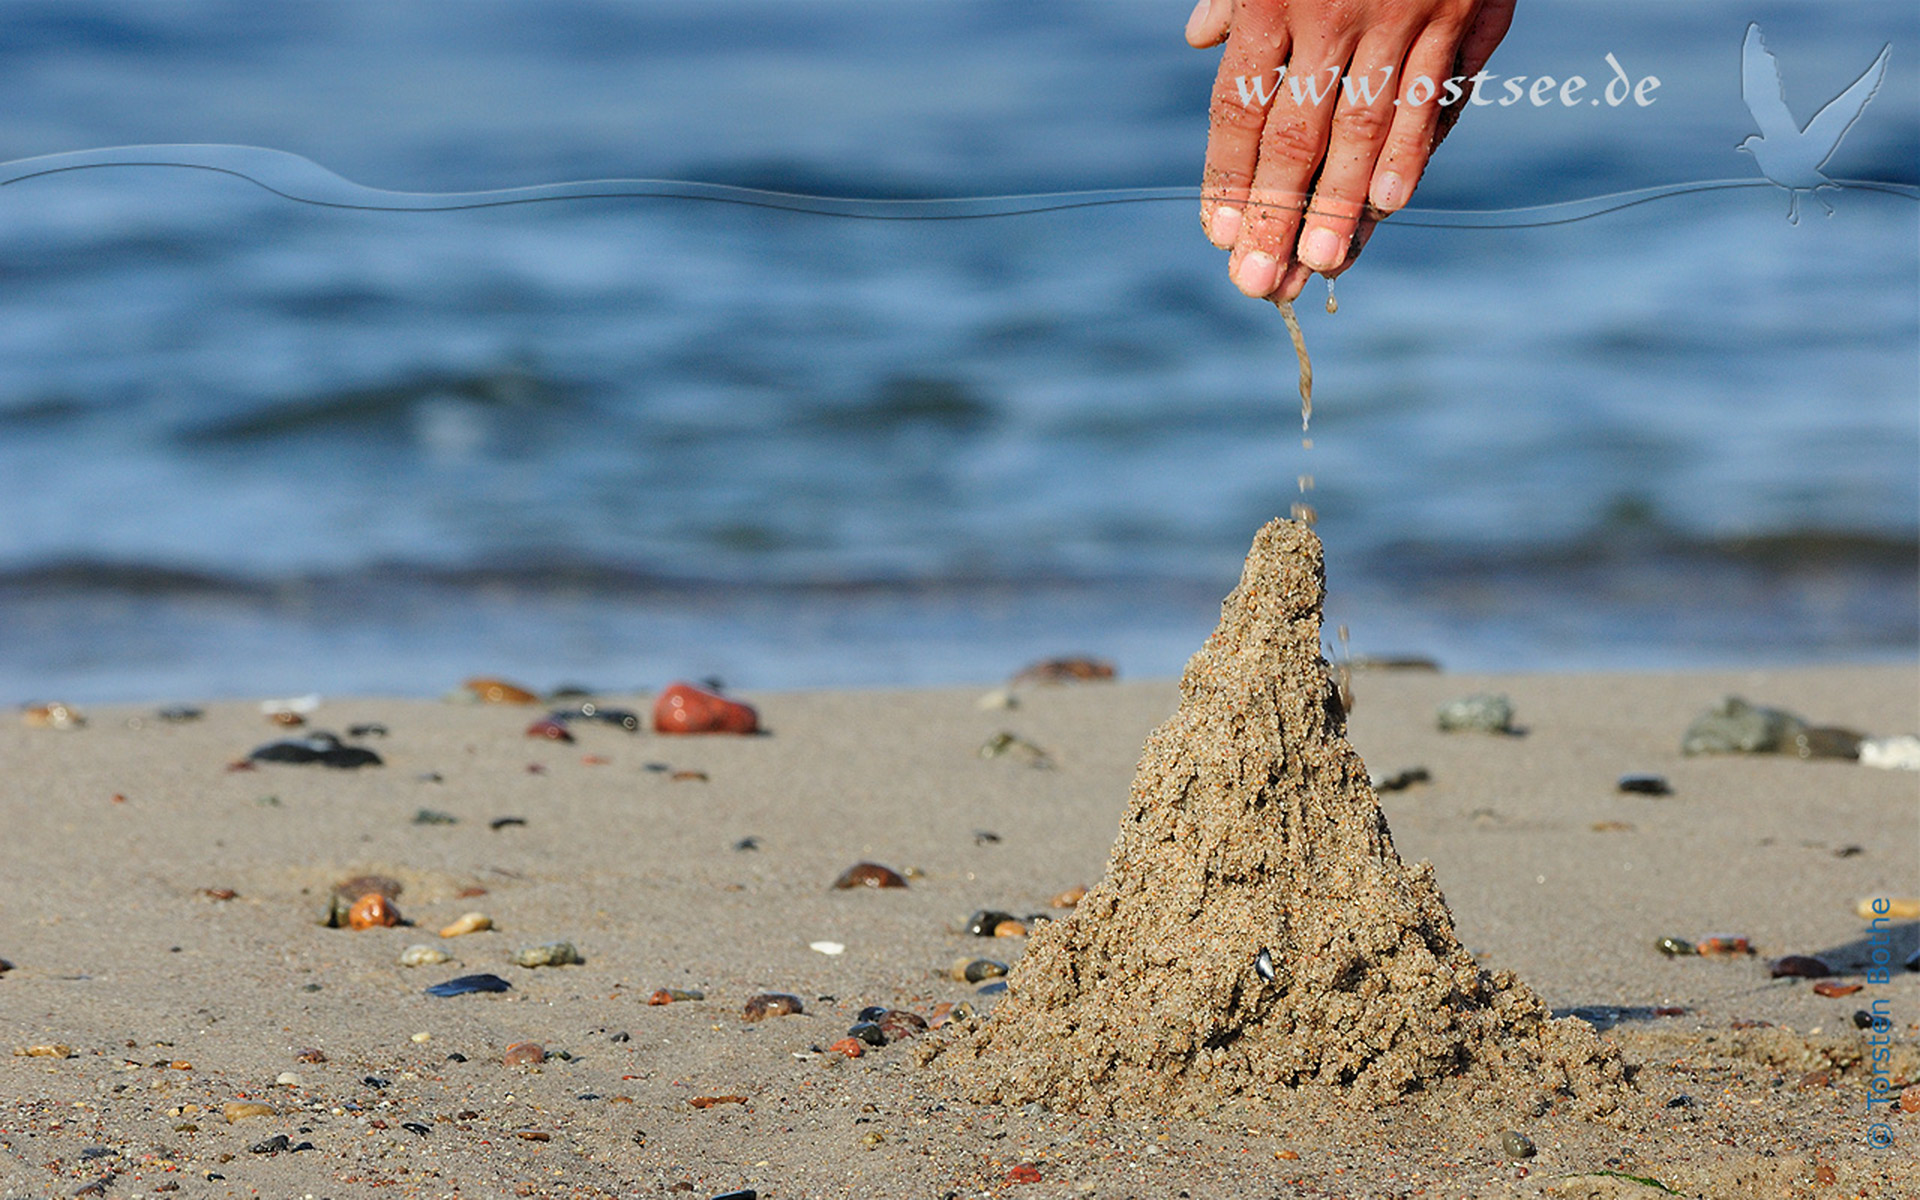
{"x":1256,"y":931}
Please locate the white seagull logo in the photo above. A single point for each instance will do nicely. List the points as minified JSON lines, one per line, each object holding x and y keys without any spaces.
{"x":1789,"y":155}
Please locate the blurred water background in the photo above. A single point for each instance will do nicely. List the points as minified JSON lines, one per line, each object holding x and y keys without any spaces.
{"x":249,"y":446}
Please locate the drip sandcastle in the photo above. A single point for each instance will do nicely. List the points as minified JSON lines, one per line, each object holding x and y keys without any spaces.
{"x":1256,"y":935}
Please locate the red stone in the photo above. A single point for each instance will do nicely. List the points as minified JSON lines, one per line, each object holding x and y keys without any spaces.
{"x":553,"y":731}
{"x":851,"y":1047}
{"x":684,"y":708}
{"x":1024,"y":1173}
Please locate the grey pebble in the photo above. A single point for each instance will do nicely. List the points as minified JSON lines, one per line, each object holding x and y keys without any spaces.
{"x":1516,"y":1145}
{"x":1483,"y":712}
{"x":1736,"y":727}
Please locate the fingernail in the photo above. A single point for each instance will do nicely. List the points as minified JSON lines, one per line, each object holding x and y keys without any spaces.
{"x":1200,"y":12}
{"x":1258,"y":273}
{"x":1321,"y":249}
{"x":1225,"y":229}
{"x":1390,"y":193}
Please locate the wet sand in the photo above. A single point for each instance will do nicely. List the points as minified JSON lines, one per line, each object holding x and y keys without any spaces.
{"x":175,"y":1003}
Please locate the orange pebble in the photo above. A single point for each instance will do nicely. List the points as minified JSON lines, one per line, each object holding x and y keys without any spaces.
{"x":1024,"y":1173}
{"x":1289,"y":1155}
{"x":684,"y":708}
{"x":1827,"y":987}
{"x":851,"y":1047}
{"x":372,"y":911}
{"x":1910,"y":1100}
{"x":524,"y":1054}
{"x":1010,"y":929}
{"x":1070,"y":898}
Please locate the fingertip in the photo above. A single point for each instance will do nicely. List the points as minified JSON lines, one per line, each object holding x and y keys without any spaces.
{"x":1294,"y":282}
{"x":1257,"y":273}
{"x":1208,"y":24}
{"x":1390,"y":191}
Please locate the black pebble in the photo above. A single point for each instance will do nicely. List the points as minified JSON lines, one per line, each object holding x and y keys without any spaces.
{"x":180,"y":715}
{"x":743,"y":1194}
{"x":982,"y":923}
{"x":468,"y":984}
{"x":1404,"y":780}
{"x":622,"y":1036}
{"x":1646,"y":785}
{"x":1681,"y":1101}
{"x":456,"y":1056}
{"x":323,"y":748}
{"x":872,"y":1012}
{"x":374,"y":1081}
{"x":868,"y":1032}
{"x":747,"y":843}
{"x":588,"y":1096}
{"x":371,"y":729}
{"x":657,"y":767}
{"x":983,"y":837}
{"x":414,"y":1127}
{"x":503,"y":822}
{"x":272,"y":1145}
{"x":1862,"y":1019}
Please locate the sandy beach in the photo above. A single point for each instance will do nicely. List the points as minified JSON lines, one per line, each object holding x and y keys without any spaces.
{"x":175,"y":1002}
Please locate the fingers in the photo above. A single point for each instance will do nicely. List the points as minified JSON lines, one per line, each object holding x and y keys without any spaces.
{"x":1411,"y":138}
{"x":1362,"y":117}
{"x":1291,"y":147}
{"x":1209,"y":23}
{"x":1243,"y":91}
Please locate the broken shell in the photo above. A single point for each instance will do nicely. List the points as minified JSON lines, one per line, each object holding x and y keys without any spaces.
{"x":52,"y":716}
{"x":771,"y":1004}
{"x":1724,"y":945}
{"x":472,"y":922}
{"x":467,"y":985}
{"x":946,"y":1012}
{"x":998,"y":698}
{"x":372,"y":911}
{"x":499,"y":691}
{"x":684,"y":708}
{"x":552,"y":954}
{"x":675,"y":995}
{"x":524,"y":1054}
{"x":1263,"y":964}
{"x":422,"y":956}
{"x":1893,"y":908}
{"x":1798,"y":966}
{"x":867,"y":874}
{"x":240,"y":1110}
{"x":287,"y":719}
{"x":1828,"y":988}
{"x":1070,"y":898}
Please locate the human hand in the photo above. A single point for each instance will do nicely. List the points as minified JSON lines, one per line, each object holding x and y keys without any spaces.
{"x":1356,"y":151}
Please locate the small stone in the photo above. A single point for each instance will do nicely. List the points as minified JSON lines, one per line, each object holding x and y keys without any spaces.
{"x":319,"y":747}
{"x":684,"y":708}
{"x":1645,"y":785}
{"x":1913,"y":961}
{"x":311,"y":1055}
{"x":1862,"y":1019}
{"x":372,"y":911}
{"x":421,"y":1038}
{"x":1010,"y":928}
{"x":898,"y":1024}
{"x":466,"y":985}
{"x":1891,"y":753}
{"x":52,"y":716}
{"x":433,"y":816}
{"x":993,"y":987}
{"x":977,"y":970}
{"x":771,"y":1004}
{"x":675,"y":996}
{"x":423,"y":956}
{"x":1402,"y":780}
{"x":1024,"y":1173}
{"x":1833,"y":991}
{"x":367,"y":729}
{"x":867,"y":874}
{"x":1798,"y":966}
{"x":214,"y":893}
{"x":946,"y":1012}
{"x":240,"y":1110}
{"x":1724,"y":945}
{"x":1071,"y":897}
{"x":868,"y":1032}
{"x":524,"y":1054}
{"x":550,"y":730}
{"x":180,"y":714}
{"x":273,"y":1145}
{"x":1263,"y":964}
{"x":1012,"y":745}
{"x":1516,"y":1145}
{"x":1674,"y":947}
{"x":550,"y":954}
{"x":472,"y":922}
{"x":711,"y":1101}
{"x":1824,"y":742}
{"x":287,"y":719}
{"x":1075,"y":669}
{"x":288,"y":1079}
{"x":45,"y":1050}
{"x":498,"y":691}
{"x":1910,"y":1099}
{"x":830,"y":949}
{"x":1482,"y":712}
{"x":852,"y":1047}
{"x":1736,"y":727}
{"x":985,"y":921}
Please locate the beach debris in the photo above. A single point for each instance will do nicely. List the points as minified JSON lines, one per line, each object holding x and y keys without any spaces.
{"x":1515,"y":1144}
{"x":433,"y":816}
{"x":1737,"y":727}
{"x":288,"y":1079}
{"x":1072,"y":669}
{"x":551,"y":954}
{"x":977,"y":970}
{"x":590,"y":710}
{"x":771,"y":1004}
{"x":1023,"y":1173}
{"x":684,"y":708}
{"x":1894,"y":908}
{"x":1724,"y":945}
{"x":466,"y":923}
{"x":1833,"y":991}
{"x":747,"y":843}
{"x":675,"y":996}
{"x":1263,"y":965}
{"x":983,"y":922}
{"x":1900,"y":753}
{"x":688,"y":777}
{"x":318,"y":747}
{"x":44,"y":1050}
{"x":211,"y":893}
{"x":1400,"y":781}
{"x":180,"y":714}
{"x":1674,"y":947}
{"x":467,"y":985}
{"x":311,"y":1055}
{"x":871,"y":875}
{"x":52,"y":716}
{"x":372,"y":911}
{"x":852,"y":1047}
{"x":550,"y":730}
{"x":423,"y":956}
{"x":1482,"y":712}
{"x":1645,"y":785}
{"x":985,"y":837}
{"x":867,"y":1032}
{"x":1251,"y":825}
{"x":499,"y":823}
{"x":998,"y":700}
{"x":367,"y":729}
{"x":1071,"y":897}
{"x":1862,"y":1019}
{"x":1824,"y":741}
{"x":711,"y":1101}
{"x":830,"y":949}
{"x":1798,"y":966}
{"x":279,"y":1143}
{"x":899,"y":1024}
{"x":487,"y":690}
{"x":240,"y":1110}
{"x":946,"y":1012}
{"x":524,"y":1054}
{"x":1013,"y":746}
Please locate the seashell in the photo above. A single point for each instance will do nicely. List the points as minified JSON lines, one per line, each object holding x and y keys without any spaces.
{"x":1900,"y":753}
{"x":472,"y":922}
{"x":524,"y":1054}
{"x":710,"y":1101}
{"x":552,"y":954}
{"x":219,"y":893}
{"x":52,"y":716}
{"x":240,"y":1110}
{"x":549,"y":729}
{"x":466,"y":985}
{"x":852,"y":1047}
{"x":1263,"y":964}
{"x":830,"y":949}
{"x":688,"y":777}
{"x":1832,"y":990}
{"x":372,"y":911}
{"x":1723,"y":945}
{"x":977,"y":970}
{"x":675,"y":996}
{"x":684,"y":708}
{"x":873,"y":875}
{"x":1074,"y":669}
{"x":1516,"y":1145}
{"x":1070,"y":898}
{"x":288,"y":1079}
{"x":499,"y":691}
{"x":771,"y":1004}
{"x":997,"y":699}
{"x":1010,"y":928}
{"x":1894,"y":908}
{"x":422,"y":956}
{"x":985,"y":921}
{"x":898,"y":1024}
{"x":1798,"y":966}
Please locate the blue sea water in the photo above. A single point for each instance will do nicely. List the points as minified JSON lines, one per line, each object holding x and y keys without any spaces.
{"x":249,"y":445}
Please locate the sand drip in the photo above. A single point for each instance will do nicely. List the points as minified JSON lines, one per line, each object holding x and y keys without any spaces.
{"x":1251,"y":828}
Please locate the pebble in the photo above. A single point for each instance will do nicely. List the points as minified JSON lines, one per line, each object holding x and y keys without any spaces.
{"x":985,"y":921}
{"x":1482,"y":712}
{"x":299,"y":706}
{"x":499,"y":823}
{"x":1263,"y":964}
{"x":1516,"y":1145}
{"x":946,"y":1012}
{"x":1862,"y":1019}
{"x":433,"y":816}
{"x":829,"y":949}
{"x":372,"y":911}
{"x":771,"y":1004}
{"x":1892,"y":753}
{"x":991,"y":988}
{"x":212,"y":893}
{"x":498,"y":691}
{"x":1833,"y":991}
{"x":1824,"y":742}
{"x":867,"y":874}
{"x":288,"y":1079}
{"x":1075,"y":669}
{"x":868,"y":1032}
{"x":44,"y":1050}
{"x":1012,"y":745}
{"x":311,"y":1055}
{"x":1724,"y":945}
{"x":1402,"y":780}
{"x":52,"y":716}
{"x":711,"y":1101}
{"x":318,"y":747}
{"x":1070,"y":898}
{"x":852,"y":1047}
{"x":684,"y":708}
{"x":369,"y":729}
{"x":550,"y":954}
{"x":977,"y":970}
{"x":472,"y":922}
{"x":274,"y":1145}
{"x":1798,"y":966}
{"x":180,"y":714}
{"x":550,"y":730}
{"x":524,"y":1054}
{"x":240,"y":1110}
{"x":899,"y":1024}
{"x":1674,"y":947}
{"x":1645,"y":785}
{"x":1736,"y":727}
{"x":675,"y":995}
{"x":287,"y":719}
{"x":591,"y":711}
{"x":1010,"y":928}
{"x":1913,"y":961}
{"x":467,"y":985}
